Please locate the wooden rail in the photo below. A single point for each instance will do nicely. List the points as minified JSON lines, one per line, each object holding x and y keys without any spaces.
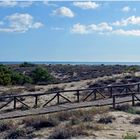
{"x":132,"y":94}
{"x":104,"y":93}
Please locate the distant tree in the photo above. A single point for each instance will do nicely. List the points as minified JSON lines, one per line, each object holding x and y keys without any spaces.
{"x":41,"y":75}
{"x":26,"y":64}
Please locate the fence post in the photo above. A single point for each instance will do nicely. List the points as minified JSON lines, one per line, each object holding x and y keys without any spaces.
{"x":78,"y":98}
{"x":133,"y":99}
{"x":36,"y":101}
{"x":138,"y":88}
{"x":58,"y":101}
{"x":114,"y":102}
{"x":14,"y":102}
{"x":111,"y":92}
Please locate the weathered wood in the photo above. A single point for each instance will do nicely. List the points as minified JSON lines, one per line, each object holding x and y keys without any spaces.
{"x":65,"y":98}
{"x":133,"y":100}
{"x":64,"y":107}
{"x":58,"y":99}
{"x":111,"y":91}
{"x":88,"y":95}
{"x":136,"y":97}
{"x":22,"y":103}
{"x":114,"y":104}
{"x":15,"y":102}
{"x":6,"y":103}
{"x":50,"y":100}
{"x":78,"y":96}
{"x":100,"y":93}
{"x":138,"y":88}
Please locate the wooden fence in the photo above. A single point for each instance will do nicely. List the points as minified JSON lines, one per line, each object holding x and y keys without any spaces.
{"x":103,"y":92}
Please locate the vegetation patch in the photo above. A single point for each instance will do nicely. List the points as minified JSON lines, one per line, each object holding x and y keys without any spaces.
{"x":41,"y":122}
{"x":66,"y":132}
{"x":106,"y":119}
{"x":7,"y":125}
{"x":127,"y":108}
{"x":129,"y":136}
{"x":136,"y":121}
{"x":18,"y":133}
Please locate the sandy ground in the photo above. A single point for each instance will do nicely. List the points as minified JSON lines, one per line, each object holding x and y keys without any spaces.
{"x":115,"y":130}
{"x":120,"y":126}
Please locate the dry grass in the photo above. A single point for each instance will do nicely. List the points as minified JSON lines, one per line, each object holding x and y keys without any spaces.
{"x":67,"y":131}
{"x":41,"y":122}
{"x":7,"y":125}
{"x":19,"y":133}
{"x":105,"y":119}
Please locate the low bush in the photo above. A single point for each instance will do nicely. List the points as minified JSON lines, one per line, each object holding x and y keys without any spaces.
{"x":136,"y":121}
{"x":66,"y":132}
{"x":127,"y":108}
{"x":87,"y":117}
{"x":63,"y":116}
{"x":41,"y":122}
{"x":18,"y":134}
{"x":106,"y":119}
{"x":129,"y":136}
{"x":7,"y":125}
{"x":74,"y":121}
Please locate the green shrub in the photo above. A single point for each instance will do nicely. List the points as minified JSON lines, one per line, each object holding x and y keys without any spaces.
{"x":8,"y":77}
{"x":129,"y":136}
{"x":20,"y":79}
{"x":41,"y":75}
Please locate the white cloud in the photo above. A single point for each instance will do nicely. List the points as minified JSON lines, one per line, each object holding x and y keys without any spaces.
{"x":133,"y":20}
{"x":127,"y":32}
{"x":64,"y":12}
{"x":86,"y":5}
{"x":57,"y":28}
{"x":20,"y":23}
{"x":49,"y":4}
{"x":79,"y":29}
{"x":86,"y":29}
{"x":127,"y":9}
{"x":8,"y":3}
{"x":24,"y":3}
{"x":13,"y":3}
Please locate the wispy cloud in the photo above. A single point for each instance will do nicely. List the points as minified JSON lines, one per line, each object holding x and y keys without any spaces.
{"x":57,"y":28}
{"x":20,"y":23}
{"x":133,"y":20}
{"x":86,"y":29}
{"x":13,"y":3}
{"x":126,"y":32}
{"x":127,"y":9}
{"x":48,"y":3}
{"x":64,"y":12}
{"x":86,"y":5}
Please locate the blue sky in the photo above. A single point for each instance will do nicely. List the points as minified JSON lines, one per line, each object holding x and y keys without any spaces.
{"x":90,"y":31}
